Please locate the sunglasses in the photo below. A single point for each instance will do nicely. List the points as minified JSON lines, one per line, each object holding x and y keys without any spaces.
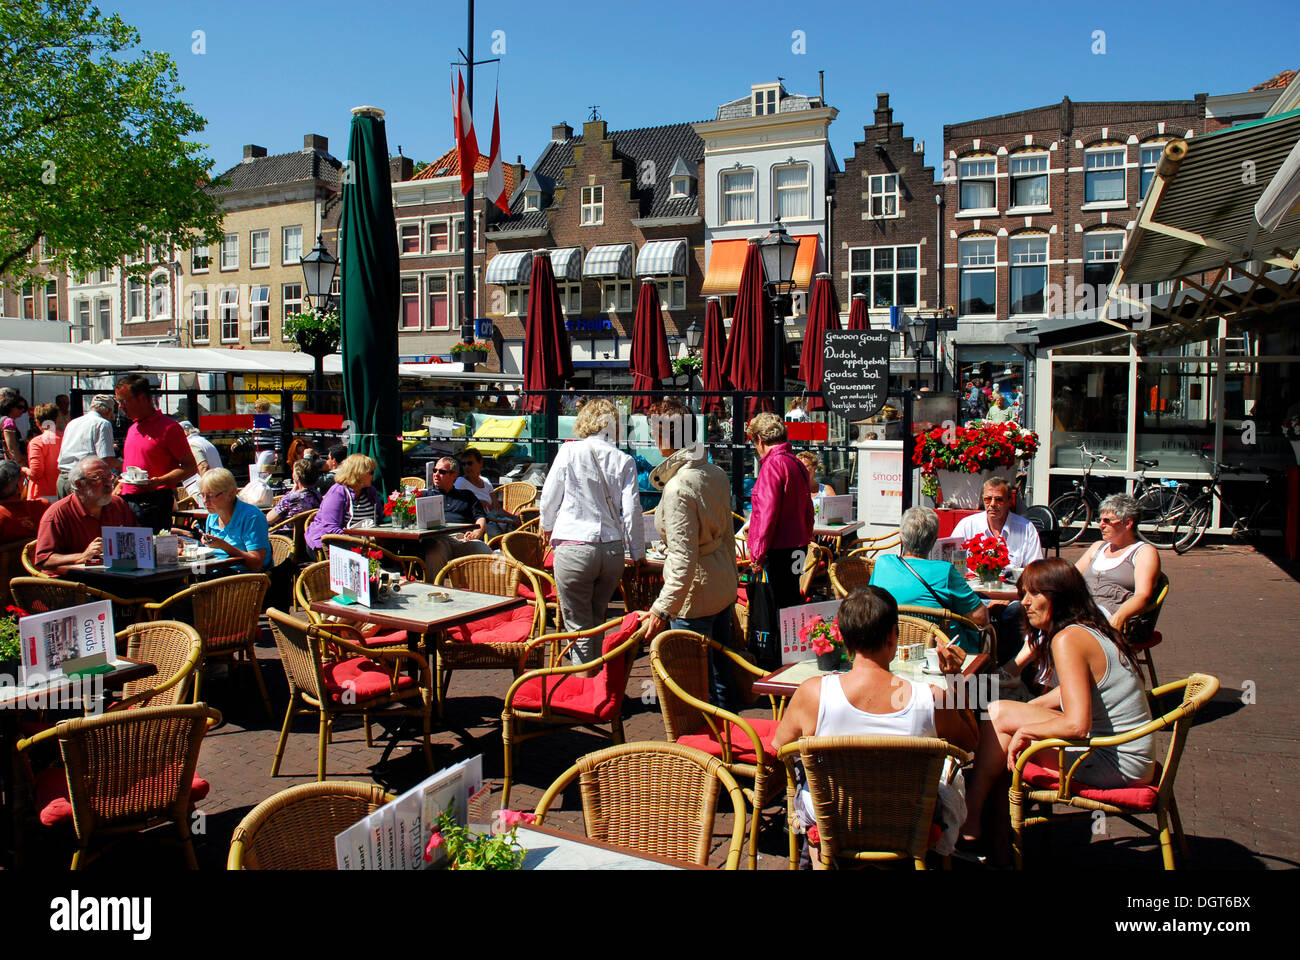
{"x":440,"y":470}
{"x":1108,"y":521}
{"x":989,"y":500}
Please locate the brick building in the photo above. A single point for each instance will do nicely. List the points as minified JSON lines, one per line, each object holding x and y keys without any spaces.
{"x":41,"y":298}
{"x":612,"y":207}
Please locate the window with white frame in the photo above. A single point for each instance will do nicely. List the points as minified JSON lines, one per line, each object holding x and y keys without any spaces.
{"x":290,"y":304}
{"x":52,"y":301}
{"x":259,"y":303}
{"x":887,"y":276}
{"x":230,"y":252}
{"x":1029,"y":179}
{"x":765,"y":101}
{"x":1028,"y":274}
{"x":437,"y":239}
{"x":1101,"y":252}
{"x":409,"y":315}
{"x":408,"y":238}
{"x":977,"y":183}
{"x":291,"y":245}
{"x":672,"y":292}
{"x":200,"y":259}
{"x":460,"y":234}
{"x":593,"y":206}
{"x":28,"y":310}
{"x":679,"y":187}
{"x":517,"y":301}
{"x":137,"y":257}
{"x":160,"y":297}
{"x":977,"y":259}
{"x":790,"y":190}
{"x":437,"y":315}
{"x":1103,"y":175}
{"x":1149,"y":156}
{"x":883,"y":191}
{"x":103,"y":319}
{"x":83,"y":321}
{"x":260,"y":248}
{"x":532,"y":200}
{"x":570,"y":299}
{"x":229,"y":307}
{"x":336,"y":286}
{"x":460,"y":295}
{"x":135,"y":305}
{"x":47,"y":251}
{"x":199,"y":316}
{"x":739,"y":200}
{"x":617,"y":296}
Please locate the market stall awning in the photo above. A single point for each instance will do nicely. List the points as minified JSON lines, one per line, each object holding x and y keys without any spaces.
{"x":609,"y":260}
{"x":510,"y":269}
{"x":662,"y":257}
{"x":566,"y":263}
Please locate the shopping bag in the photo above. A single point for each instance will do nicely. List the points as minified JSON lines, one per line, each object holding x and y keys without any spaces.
{"x":763,"y":632}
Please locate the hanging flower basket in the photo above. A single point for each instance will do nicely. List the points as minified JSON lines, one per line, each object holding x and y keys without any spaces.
{"x":964,"y":457}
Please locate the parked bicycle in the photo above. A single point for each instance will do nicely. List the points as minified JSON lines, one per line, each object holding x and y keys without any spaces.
{"x":1075,"y":510}
{"x":1189,"y":525}
{"x":1158,"y":499}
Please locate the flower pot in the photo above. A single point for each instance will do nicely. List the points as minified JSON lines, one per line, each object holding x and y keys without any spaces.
{"x":961,"y":491}
{"x":827,"y":662}
{"x":472,"y":357}
{"x":315,"y":344}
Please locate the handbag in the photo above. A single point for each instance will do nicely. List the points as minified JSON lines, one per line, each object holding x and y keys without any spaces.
{"x":763,"y":631}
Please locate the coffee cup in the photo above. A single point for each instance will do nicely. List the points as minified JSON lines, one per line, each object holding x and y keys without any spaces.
{"x":932,"y":659}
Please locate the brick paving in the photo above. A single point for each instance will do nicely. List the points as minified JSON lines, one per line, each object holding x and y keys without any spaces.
{"x":1228,"y":614}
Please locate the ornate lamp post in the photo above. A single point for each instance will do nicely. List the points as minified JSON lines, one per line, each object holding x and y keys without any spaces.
{"x":778,"y":250}
{"x":318,"y":269}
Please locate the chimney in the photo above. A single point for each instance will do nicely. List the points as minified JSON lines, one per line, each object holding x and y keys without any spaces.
{"x":400,"y":168}
{"x":561,"y":131}
{"x":593,"y":130}
{"x":884,"y":115}
{"x":252,"y":151}
{"x":518,"y":168}
{"x":314,"y":141}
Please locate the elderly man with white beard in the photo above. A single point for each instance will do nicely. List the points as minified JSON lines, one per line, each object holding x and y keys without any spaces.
{"x":70,"y":530}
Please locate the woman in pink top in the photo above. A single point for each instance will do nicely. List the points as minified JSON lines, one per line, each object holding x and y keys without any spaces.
{"x":781,"y":523}
{"x":43,"y":455}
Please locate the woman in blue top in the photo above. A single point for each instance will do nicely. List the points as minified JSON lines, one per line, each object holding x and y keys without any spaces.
{"x":235,"y":528}
{"x":915,"y":580}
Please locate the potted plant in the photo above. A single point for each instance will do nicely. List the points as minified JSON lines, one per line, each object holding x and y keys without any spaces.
{"x":469,"y":850}
{"x":400,"y":508}
{"x":987,"y":557}
{"x":963,"y":458}
{"x":824,"y":636}
{"x":471,"y":353}
{"x":316,"y":331}
{"x":378,"y":579}
{"x":10,"y":643}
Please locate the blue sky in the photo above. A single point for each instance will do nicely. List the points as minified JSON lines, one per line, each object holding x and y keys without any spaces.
{"x":273,"y":70}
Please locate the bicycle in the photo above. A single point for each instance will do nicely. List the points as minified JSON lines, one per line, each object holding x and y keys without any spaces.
{"x":1189,"y":526}
{"x":1159,"y":500}
{"x":1081,"y":503}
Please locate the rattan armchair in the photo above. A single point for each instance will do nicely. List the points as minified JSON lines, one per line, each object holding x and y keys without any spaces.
{"x":869,"y":547}
{"x":28,"y":557}
{"x":225,"y":613}
{"x":517,"y":495}
{"x":679,"y":660}
{"x":916,"y":630}
{"x":873,"y":796}
{"x":415,"y":482}
{"x":849,"y":572}
{"x":497,"y":641}
{"x":949,"y":619}
{"x":281,"y":549}
{"x":657,"y":798}
{"x":641,"y":586}
{"x":295,"y":527}
{"x":412,"y":568}
{"x":174,"y":648}
{"x":528,"y":549}
{"x":313,"y":584}
{"x":1033,"y":783}
{"x":559,"y":695}
{"x":124,"y":772}
{"x":331,"y":673}
{"x":295,"y":828}
{"x":42,"y":594}
{"x":1141,"y":633}
{"x":816,"y":567}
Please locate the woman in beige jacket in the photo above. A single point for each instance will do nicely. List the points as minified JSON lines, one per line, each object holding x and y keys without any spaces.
{"x":694,"y":521}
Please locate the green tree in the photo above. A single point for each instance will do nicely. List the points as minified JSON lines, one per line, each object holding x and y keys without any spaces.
{"x":94,"y":158}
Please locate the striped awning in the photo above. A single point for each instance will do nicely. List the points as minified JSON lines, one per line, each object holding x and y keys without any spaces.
{"x":659,"y":257}
{"x":567,"y":263}
{"x":510,"y":269}
{"x":609,"y":260}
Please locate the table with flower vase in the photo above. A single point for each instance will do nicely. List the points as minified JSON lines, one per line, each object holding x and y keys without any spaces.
{"x":549,"y":849}
{"x":993,"y":590}
{"x":783,"y":682}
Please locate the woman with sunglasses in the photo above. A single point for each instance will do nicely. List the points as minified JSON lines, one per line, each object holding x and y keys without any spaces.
{"x":1099,"y":694}
{"x":1121,"y":569}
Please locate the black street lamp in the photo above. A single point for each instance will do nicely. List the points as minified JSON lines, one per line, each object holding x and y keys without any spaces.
{"x":916,"y":328}
{"x":318,"y":269}
{"x":694,"y":337}
{"x":778,"y":250}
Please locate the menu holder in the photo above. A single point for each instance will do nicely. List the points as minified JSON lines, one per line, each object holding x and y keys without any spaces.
{"x":128,"y":548}
{"x":834,"y":511}
{"x":68,"y":642}
{"x":349,"y":576}
{"x":429,"y":512}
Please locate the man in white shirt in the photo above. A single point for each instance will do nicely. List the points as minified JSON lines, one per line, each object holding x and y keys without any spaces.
{"x":206,"y":455}
{"x":90,"y":435}
{"x":1020,"y":536}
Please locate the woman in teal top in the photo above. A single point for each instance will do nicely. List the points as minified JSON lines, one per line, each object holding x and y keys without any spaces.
{"x":914,"y":580}
{"x":234,"y":528}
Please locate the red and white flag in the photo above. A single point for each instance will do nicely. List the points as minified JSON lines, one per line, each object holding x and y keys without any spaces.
{"x":496,"y":178}
{"x":466,"y":142}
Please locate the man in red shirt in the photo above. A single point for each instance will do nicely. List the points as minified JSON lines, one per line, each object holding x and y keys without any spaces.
{"x":156,"y":445}
{"x":70,"y":530}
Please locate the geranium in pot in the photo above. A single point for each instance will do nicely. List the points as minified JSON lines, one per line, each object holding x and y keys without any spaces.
{"x":963,"y":458}
{"x":400,"y":508}
{"x":987,"y":557}
{"x":824,"y":636}
{"x":470,"y":352}
{"x":467,"y":849}
{"x":10,"y":643}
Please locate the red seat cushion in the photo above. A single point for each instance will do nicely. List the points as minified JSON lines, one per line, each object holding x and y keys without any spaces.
{"x":363,"y":677}
{"x":742,"y":749}
{"x":393,"y":638}
{"x":52,"y":795}
{"x":598,"y":698}
{"x":1141,"y":799}
{"x":1151,"y":641}
{"x":509,"y":626}
{"x":548,"y":592}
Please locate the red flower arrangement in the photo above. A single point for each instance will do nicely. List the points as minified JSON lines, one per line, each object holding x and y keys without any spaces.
{"x":986,"y":556}
{"x":401,"y":506}
{"x":973,"y":449}
{"x":374,"y":557}
{"x":823,"y":635}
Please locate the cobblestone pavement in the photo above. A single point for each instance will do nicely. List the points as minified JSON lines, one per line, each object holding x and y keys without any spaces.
{"x":1229,"y":614}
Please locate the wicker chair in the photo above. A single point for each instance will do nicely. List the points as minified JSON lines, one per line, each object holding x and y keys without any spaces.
{"x":816,"y":567}
{"x":557,"y":695}
{"x":950,"y":620}
{"x":641,"y":587}
{"x":528,"y":549}
{"x":679,"y":659}
{"x":281,"y":549}
{"x":412,"y":568}
{"x":295,"y":828}
{"x":11,"y":554}
{"x":657,"y":798}
{"x":313,"y":584}
{"x":124,"y":772}
{"x":332,"y":673}
{"x":869,"y":547}
{"x":916,"y":630}
{"x":1032,"y":783}
{"x":174,"y":648}
{"x":497,"y":641}
{"x":530,"y":523}
{"x":416,"y":482}
{"x":1141,"y":633}
{"x":873,"y":796}
{"x":28,"y":557}
{"x":517,"y":495}
{"x":225,"y":613}
{"x":849,"y":572}
{"x":42,"y":594}
{"x":295,"y":527}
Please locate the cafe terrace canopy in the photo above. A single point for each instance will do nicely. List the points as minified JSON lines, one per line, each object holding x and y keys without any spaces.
{"x":650,"y":365}
{"x":748,"y":360}
{"x":547,"y":357}
{"x":713,"y":347}
{"x":823,"y":315}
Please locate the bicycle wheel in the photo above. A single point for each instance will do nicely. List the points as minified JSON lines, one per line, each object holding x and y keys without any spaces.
{"x":1189,"y":531}
{"x":1163,"y":518}
{"x":1070,"y":509}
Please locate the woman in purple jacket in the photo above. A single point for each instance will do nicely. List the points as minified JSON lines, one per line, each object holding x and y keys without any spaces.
{"x":781,"y":523}
{"x":350,"y":501}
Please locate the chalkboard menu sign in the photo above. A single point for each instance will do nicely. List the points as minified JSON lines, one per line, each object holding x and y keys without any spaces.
{"x":855,"y":377}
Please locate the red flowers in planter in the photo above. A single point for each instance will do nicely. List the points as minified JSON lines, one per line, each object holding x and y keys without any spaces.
{"x":973,"y":449}
{"x":987,"y":556}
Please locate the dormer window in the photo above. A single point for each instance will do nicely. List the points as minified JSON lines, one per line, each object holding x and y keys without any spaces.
{"x":766,"y":100}
{"x":532,"y":200}
{"x":680,"y":187}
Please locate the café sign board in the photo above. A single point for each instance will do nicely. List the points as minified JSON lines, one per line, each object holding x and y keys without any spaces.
{"x":855,"y":376}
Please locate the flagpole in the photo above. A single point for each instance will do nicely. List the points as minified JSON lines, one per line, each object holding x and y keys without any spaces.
{"x":467,"y":320}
